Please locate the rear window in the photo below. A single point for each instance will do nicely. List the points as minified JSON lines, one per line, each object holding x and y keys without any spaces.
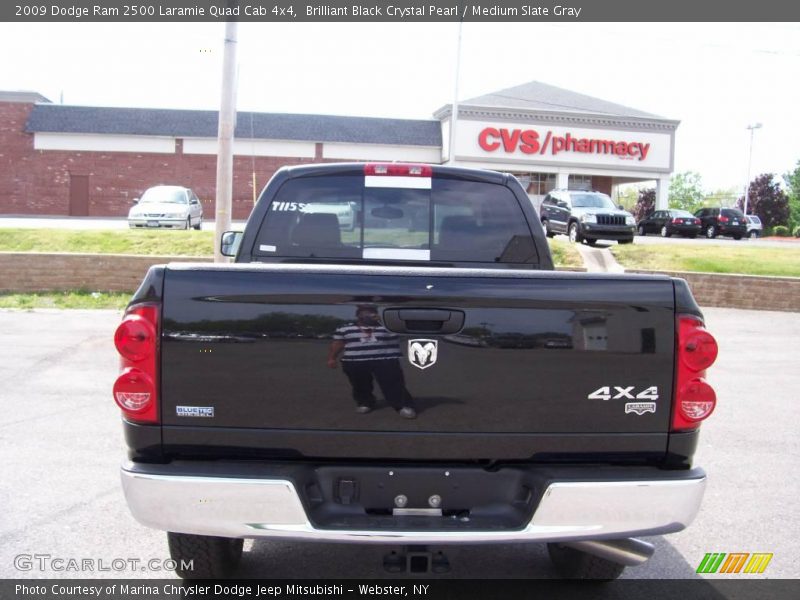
{"x":442,"y":220}
{"x":732,"y":212}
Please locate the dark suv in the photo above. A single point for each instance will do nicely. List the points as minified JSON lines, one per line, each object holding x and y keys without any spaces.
{"x":589,"y":216}
{"x":722,"y":221}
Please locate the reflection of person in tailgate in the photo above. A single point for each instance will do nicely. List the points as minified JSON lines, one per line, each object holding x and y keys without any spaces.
{"x":368,"y":350}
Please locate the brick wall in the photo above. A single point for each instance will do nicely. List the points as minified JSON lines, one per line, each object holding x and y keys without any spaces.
{"x":37,"y":181}
{"x":16,"y":154}
{"x":32,"y":272}
{"x":602,"y":184}
{"x":742,"y":291}
{"x":35,"y":272}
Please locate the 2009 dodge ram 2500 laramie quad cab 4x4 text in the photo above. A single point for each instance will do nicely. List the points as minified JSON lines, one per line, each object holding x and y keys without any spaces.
{"x":392,"y":359}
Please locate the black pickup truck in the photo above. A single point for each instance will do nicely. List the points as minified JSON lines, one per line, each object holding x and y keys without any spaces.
{"x":392,"y":359}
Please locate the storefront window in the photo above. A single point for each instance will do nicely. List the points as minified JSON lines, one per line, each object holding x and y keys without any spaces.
{"x":537,"y":184}
{"x":580,"y":182}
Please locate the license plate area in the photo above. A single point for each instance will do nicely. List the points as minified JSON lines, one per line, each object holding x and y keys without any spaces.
{"x":431,"y":499}
{"x":152,"y":223}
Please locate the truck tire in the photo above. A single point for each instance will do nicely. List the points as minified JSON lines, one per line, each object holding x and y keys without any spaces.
{"x":546,"y":225}
{"x":211,"y":557}
{"x":574,"y":564}
{"x":574,"y":233}
{"x":711,"y":232}
{"x":199,"y":225}
{"x":642,"y":230}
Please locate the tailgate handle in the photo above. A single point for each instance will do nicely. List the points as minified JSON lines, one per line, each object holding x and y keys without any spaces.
{"x":423,"y":320}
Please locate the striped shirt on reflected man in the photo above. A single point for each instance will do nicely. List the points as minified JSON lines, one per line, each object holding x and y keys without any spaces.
{"x":367,"y":343}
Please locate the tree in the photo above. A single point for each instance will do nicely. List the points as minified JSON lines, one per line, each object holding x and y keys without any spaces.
{"x":792,"y":180}
{"x":686,"y":191}
{"x":645,"y":205}
{"x":767,"y":200}
{"x":627,"y":196}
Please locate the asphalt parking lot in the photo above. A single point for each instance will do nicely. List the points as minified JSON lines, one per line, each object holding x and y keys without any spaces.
{"x":62,"y":445}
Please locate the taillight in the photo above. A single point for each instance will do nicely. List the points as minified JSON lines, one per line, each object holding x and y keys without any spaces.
{"x":676,"y":221}
{"x":697,"y":350}
{"x":723,"y":219}
{"x":398,"y":169}
{"x":136,"y":339}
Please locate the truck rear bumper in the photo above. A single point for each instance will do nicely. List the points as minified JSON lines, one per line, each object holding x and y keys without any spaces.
{"x":258,"y":507}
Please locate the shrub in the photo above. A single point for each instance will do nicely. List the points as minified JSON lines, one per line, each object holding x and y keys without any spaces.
{"x":797,"y":232}
{"x":781,"y":231}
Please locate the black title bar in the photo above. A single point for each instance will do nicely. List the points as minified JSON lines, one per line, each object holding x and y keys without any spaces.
{"x":565,"y":11}
{"x":387,"y":589}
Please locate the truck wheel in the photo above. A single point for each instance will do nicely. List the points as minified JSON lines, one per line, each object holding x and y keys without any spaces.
{"x":641,"y":230}
{"x":574,"y":235}
{"x":199,"y":225}
{"x":753,"y":234}
{"x":711,"y":232}
{"x":574,"y":564}
{"x":203,"y":556}
{"x":546,"y":225}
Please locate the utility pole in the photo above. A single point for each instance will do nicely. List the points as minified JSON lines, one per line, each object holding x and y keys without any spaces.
{"x":227,"y":122}
{"x":454,"y":113}
{"x":752,"y":129}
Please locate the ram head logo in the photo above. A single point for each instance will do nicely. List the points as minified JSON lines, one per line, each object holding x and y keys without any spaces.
{"x":422,"y":353}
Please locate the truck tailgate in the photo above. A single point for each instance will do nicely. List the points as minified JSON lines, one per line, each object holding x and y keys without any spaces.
{"x":573,"y":358}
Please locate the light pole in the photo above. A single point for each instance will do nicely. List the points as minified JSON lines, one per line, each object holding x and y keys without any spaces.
{"x":752,"y":129}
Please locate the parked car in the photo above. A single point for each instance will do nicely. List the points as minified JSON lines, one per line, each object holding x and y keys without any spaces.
{"x":722,"y":221}
{"x":668,"y":222}
{"x":589,"y":216}
{"x":280,"y":432}
{"x":167,"y":206}
{"x":754,"y":227}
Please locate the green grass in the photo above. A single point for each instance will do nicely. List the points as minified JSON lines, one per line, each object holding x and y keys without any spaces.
{"x":76,"y":299}
{"x":564,"y":254}
{"x":783,"y":262}
{"x":126,"y":241}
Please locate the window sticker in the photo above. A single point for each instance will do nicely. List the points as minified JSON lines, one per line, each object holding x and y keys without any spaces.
{"x":396,"y":254}
{"x":397,"y":181}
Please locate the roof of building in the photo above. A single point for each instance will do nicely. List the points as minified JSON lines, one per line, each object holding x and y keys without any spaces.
{"x":54,"y":118}
{"x":535,"y":95}
{"x":22,"y":97}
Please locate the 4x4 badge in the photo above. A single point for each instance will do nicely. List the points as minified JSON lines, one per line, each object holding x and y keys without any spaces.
{"x":422,"y":353}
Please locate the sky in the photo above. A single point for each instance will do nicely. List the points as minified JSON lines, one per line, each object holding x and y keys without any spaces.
{"x":715,"y":78}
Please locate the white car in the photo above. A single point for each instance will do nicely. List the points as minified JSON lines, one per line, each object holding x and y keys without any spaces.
{"x":754,"y":226}
{"x":167,"y":206}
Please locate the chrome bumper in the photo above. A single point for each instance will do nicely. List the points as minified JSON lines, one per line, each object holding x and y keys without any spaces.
{"x":264,"y":508}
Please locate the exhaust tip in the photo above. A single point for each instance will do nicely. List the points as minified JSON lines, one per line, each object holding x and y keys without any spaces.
{"x":630,"y":552}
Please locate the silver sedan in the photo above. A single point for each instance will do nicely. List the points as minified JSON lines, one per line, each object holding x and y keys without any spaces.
{"x":167,"y":206}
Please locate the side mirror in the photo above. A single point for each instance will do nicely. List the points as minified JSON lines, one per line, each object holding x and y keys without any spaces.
{"x":229,"y":244}
{"x":619,"y":206}
{"x":136,"y":201}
